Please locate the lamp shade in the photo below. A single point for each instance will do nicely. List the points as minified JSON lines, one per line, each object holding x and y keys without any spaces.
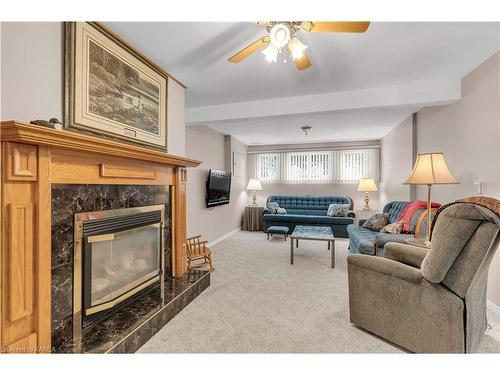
{"x":367,"y":184}
{"x":430,"y":169}
{"x":254,"y":184}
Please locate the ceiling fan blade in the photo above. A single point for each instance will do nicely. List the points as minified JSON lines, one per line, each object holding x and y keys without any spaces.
{"x":335,"y":27}
{"x":303,"y":62}
{"x":247,"y":51}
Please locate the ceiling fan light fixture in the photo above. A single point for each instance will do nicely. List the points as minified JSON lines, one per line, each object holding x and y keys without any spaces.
{"x":280,"y":35}
{"x":271,"y":53}
{"x":296,"y":48}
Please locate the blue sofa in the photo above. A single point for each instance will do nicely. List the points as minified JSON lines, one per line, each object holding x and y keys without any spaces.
{"x":308,"y":210}
{"x":366,"y":241}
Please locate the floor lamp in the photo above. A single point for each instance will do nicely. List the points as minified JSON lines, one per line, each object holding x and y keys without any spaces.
{"x":430,"y":169}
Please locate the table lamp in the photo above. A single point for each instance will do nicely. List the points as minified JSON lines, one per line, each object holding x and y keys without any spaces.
{"x":254,"y":185}
{"x":367,"y":185}
{"x":430,"y":169}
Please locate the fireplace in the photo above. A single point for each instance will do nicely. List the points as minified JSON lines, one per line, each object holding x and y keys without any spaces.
{"x":118,"y":255}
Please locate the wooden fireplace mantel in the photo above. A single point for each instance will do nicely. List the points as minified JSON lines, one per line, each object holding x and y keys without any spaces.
{"x":34,"y":157}
{"x":20,"y":132}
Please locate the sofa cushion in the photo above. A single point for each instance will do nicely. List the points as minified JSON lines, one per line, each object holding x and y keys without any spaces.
{"x":376,"y":222}
{"x":361,"y":240}
{"x":394,"y":228}
{"x":309,"y":219}
{"x":337,"y":210}
{"x":308,"y":202}
{"x":382,"y":238}
{"x":306,"y":212}
{"x":273,"y":206}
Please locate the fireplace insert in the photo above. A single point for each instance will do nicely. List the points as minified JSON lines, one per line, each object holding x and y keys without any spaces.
{"x":118,"y":253}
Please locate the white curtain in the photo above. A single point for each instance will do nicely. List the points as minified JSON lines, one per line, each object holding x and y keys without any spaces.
{"x":334,"y":166}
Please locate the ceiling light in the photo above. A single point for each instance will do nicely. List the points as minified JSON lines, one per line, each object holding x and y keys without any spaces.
{"x":271,"y":53}
{"x":306,"y":129}
{"x":296,"y":48}
{"x":280,"y":35}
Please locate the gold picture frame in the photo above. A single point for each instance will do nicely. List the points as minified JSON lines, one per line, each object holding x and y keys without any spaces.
{"x":111,"y":89}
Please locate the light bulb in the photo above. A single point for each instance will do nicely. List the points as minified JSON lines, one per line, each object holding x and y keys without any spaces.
{"x":280,"y":35}
{"x":271,"y":53}
{"x":296,"y":48}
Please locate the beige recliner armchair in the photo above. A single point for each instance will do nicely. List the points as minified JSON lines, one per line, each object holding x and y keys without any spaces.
{"x":429,"y":301}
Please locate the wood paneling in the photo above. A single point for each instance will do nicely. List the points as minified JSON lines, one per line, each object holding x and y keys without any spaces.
{"x":122,"y":171}
{"x":84,"y":168}
{"x":180,"y":223}
{"x":28,"y":344}
{"x":20,"y":260}
{"x":21,"y":162}
{"x":43,"y":258}
{"x":19,"y":299}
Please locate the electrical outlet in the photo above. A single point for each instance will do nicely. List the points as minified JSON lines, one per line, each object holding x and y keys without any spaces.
{"x":479,"y":186}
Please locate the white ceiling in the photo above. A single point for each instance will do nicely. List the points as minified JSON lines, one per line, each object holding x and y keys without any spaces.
{"x":388,"y":54}
{"x":355,"y":125}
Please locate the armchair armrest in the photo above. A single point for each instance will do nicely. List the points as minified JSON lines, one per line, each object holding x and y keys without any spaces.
{"x":405,"y":253}
{"x":351,"y":213}
{"x":385,"y":266}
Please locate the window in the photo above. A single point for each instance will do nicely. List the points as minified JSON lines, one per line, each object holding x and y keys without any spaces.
{"x":351,"y":165}
{"x":268,"y":167}
{"x":310,"y":167}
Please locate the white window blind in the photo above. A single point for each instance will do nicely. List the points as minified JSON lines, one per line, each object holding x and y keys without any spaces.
{"x":351,"y":165}
{"x":310,"y":167}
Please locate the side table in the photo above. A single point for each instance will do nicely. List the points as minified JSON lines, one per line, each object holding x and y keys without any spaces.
{"x":252,"y":218}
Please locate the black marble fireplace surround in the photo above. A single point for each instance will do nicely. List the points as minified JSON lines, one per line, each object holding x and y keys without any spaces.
{"x":68,"y":199}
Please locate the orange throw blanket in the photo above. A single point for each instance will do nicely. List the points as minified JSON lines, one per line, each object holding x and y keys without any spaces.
{"x":409,"y":210}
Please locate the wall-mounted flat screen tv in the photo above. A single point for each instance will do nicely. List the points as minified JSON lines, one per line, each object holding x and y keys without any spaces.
{"x":218,"y":188}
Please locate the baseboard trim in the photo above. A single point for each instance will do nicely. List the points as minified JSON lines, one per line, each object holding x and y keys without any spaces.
{"x":493,"y":308}
{"x":222,"y":238}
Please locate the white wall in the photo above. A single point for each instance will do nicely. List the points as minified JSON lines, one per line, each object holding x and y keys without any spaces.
{"x":396,"y":163}
{"x":468,"y":132}
{"x":176,"y":98}
{"x":32,"y":71}
{"x":210,"y":146}
{"x":32,"y":79}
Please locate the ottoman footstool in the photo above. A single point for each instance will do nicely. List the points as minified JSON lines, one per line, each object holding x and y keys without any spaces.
{"x":277,"y":230}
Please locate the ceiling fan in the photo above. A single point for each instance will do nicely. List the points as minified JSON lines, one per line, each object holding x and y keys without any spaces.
{"x":282,"y":39}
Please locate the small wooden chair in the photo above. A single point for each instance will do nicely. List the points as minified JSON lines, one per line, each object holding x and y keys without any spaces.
{"x":197,"y":250}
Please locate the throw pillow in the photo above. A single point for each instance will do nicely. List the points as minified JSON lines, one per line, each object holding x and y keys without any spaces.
{"x":393,"y":228}
{"x":273,"y":206}
{"x":376,"y":222}
{"x":335,"y":209}
{"x":281,"y":211}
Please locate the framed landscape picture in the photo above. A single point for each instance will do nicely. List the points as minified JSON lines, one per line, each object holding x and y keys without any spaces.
{"x":111,"y":89}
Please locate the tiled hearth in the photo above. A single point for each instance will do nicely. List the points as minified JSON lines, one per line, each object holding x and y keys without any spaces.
{"x":133,"y":325}
{"x":139,"y":319}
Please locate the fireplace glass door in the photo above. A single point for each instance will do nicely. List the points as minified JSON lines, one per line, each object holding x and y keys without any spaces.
{"x":118,"y":263}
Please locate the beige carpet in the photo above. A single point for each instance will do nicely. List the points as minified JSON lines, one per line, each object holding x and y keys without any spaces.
{"x":259,"y":303}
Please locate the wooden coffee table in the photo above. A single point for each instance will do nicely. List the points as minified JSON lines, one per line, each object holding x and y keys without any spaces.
{"x":304,"y":232}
